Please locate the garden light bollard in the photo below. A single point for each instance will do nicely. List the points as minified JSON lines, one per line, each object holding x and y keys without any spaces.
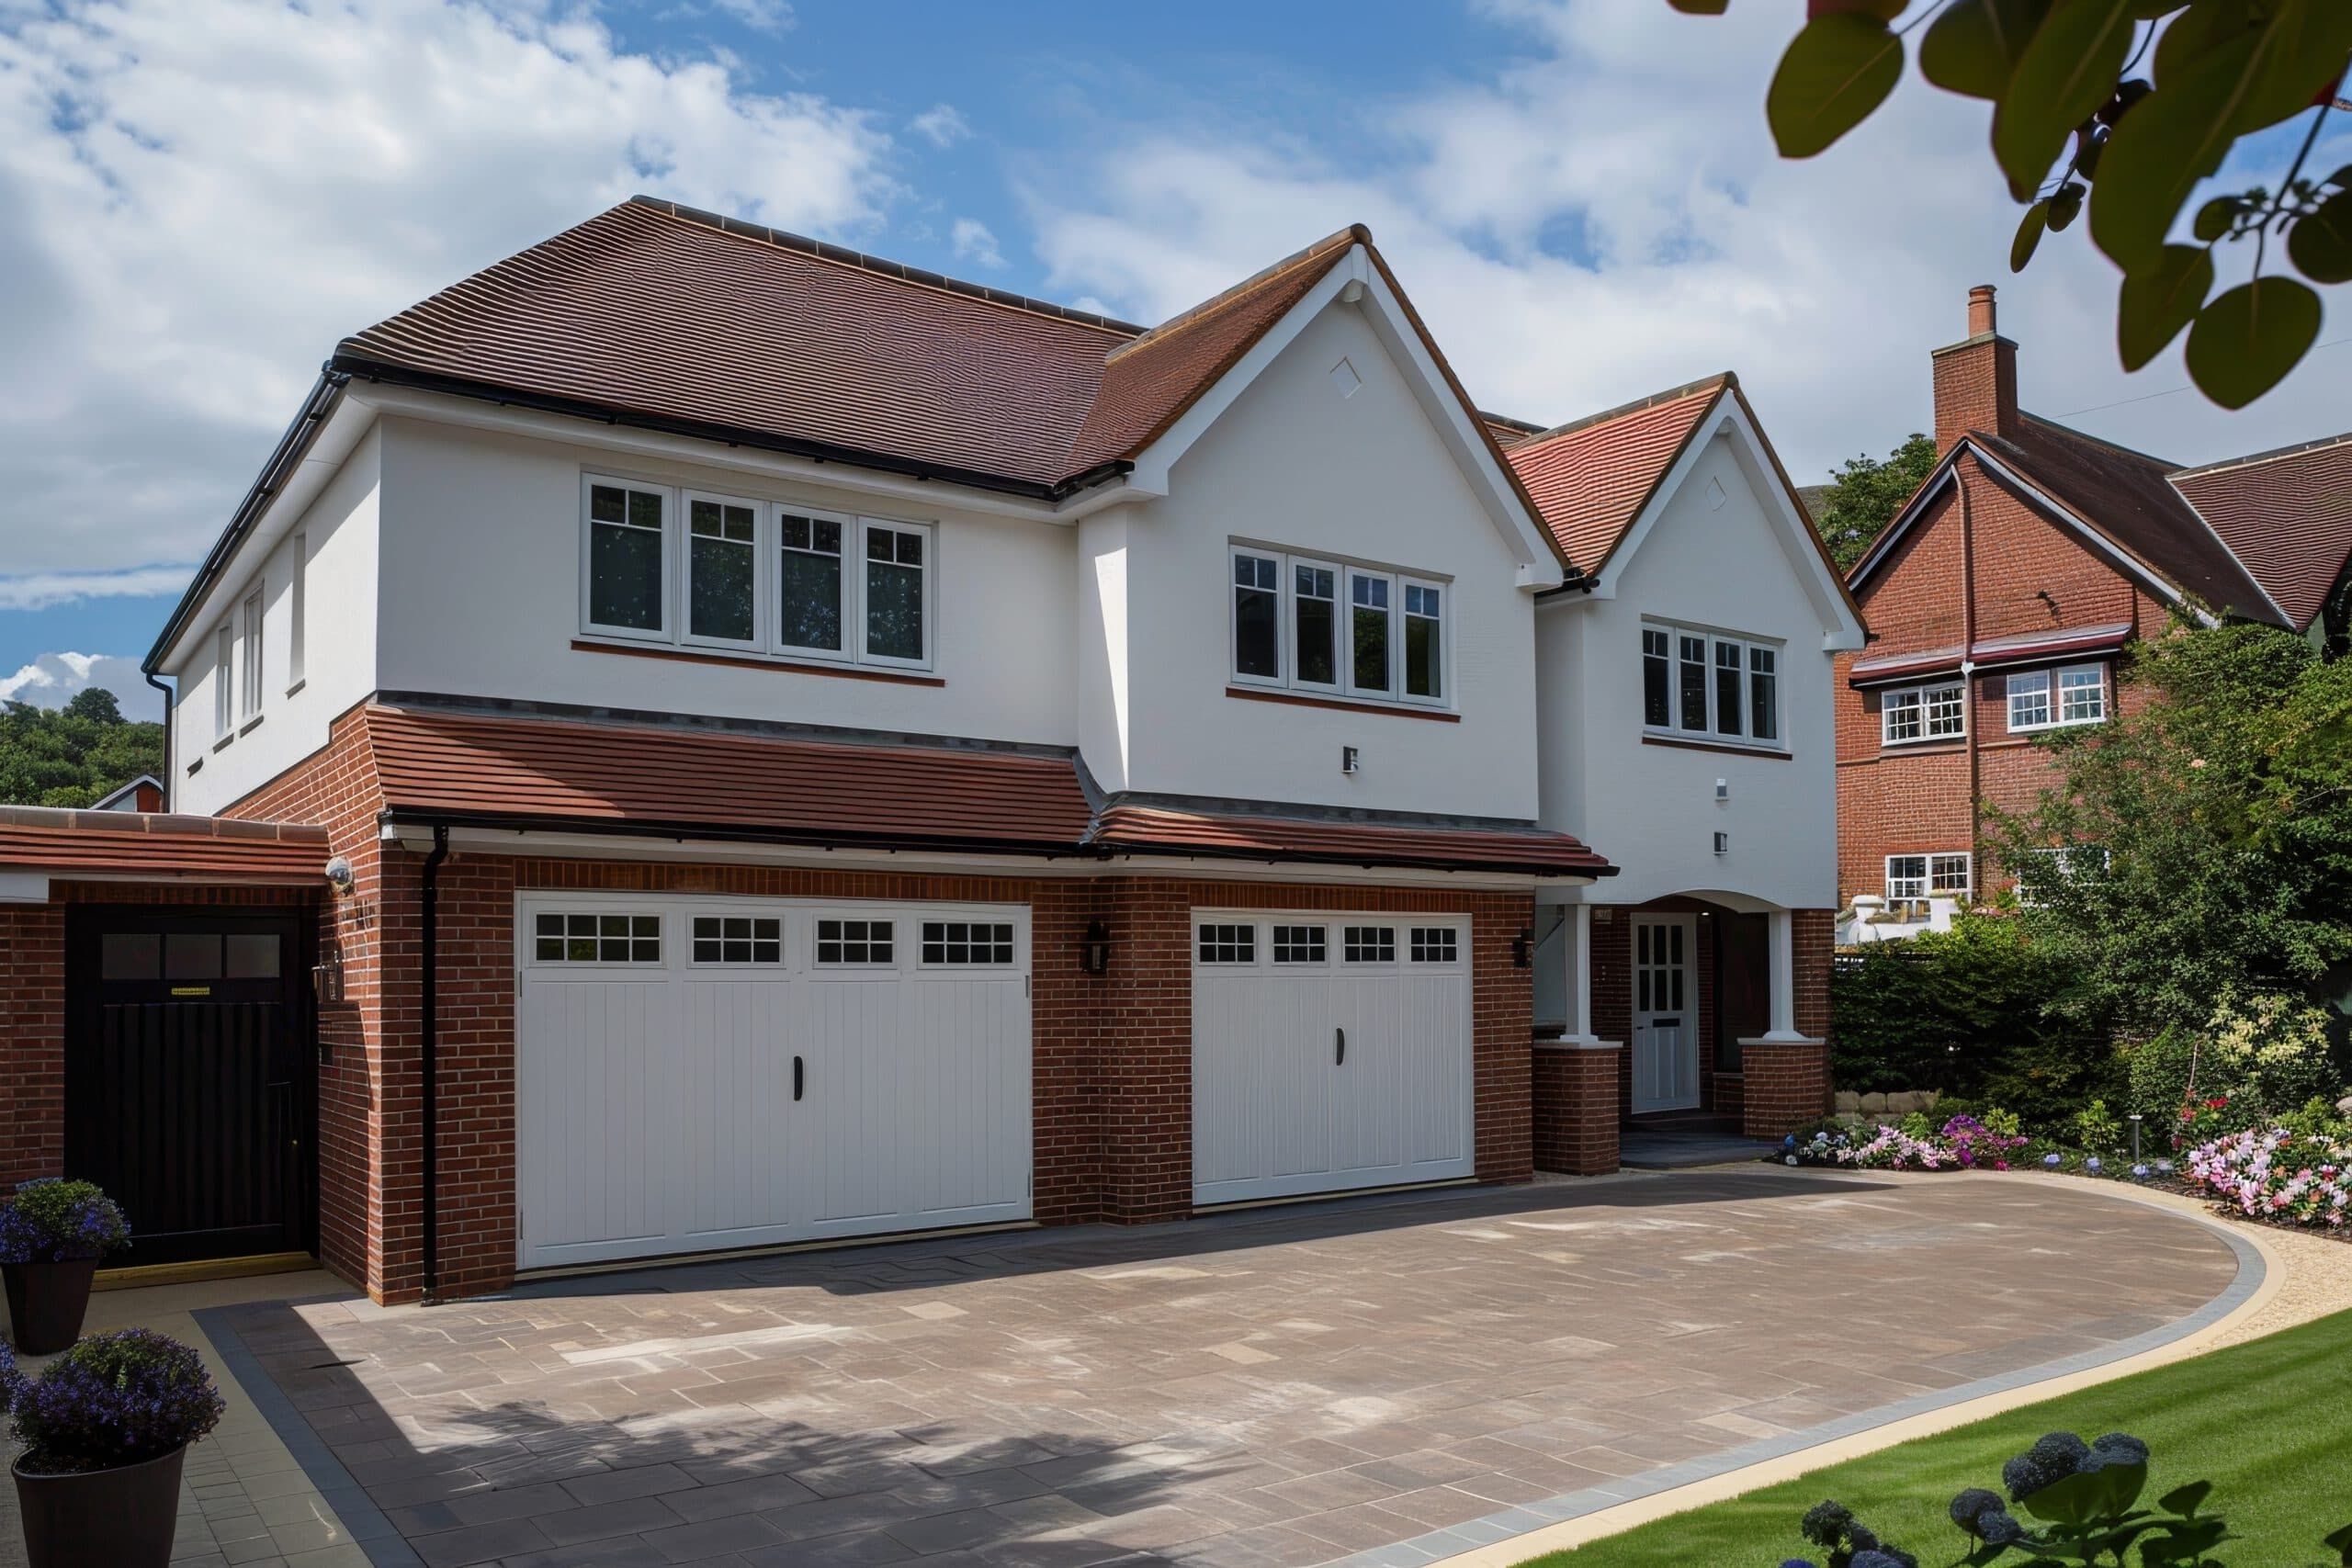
{"x":2134,"y":1120}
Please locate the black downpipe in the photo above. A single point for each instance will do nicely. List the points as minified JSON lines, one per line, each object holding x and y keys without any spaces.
{"x":170,"y":763}
{"x":429,"y":1030}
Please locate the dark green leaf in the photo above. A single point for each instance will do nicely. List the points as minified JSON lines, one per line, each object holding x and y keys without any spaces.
{"x":2089,"y":1497}
{"x":2187,"y":1500}
{"x":2301,"y":51}
{"x":2320,"y":244}
{"x":2342,"y":1542}
{"x":2030,"y":230}
{"x":2068,"y":69}
{"x":2245,"y":341}
{"x":2172,"y":138}
{"x":2065,"y":206}
{"x":1973,"y":45}
{"x":1836,"y":72}
{"x":2213,"y":219}
{"x":2156,"y":304}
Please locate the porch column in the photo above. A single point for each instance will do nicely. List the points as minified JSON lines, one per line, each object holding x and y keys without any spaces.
{"x":1576,"y":953}
{"x":1783,"y":980}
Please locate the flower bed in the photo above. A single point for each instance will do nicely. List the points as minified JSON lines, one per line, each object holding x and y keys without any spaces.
{"x":2277,"y":1176}
{"x":1962,"y":1142}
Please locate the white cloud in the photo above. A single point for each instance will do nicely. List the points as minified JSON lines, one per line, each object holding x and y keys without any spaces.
{"x":204,"y":195}
{"x":971,"y":240}
{"x":53,"y":678}
{"x":760,"y":16}
{"x":43,"y":589}
{"x":1608,"y":218}
{"x":941,"y":125}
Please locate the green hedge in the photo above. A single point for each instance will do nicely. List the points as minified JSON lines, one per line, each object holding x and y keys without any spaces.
{"x":1969,"y":1012}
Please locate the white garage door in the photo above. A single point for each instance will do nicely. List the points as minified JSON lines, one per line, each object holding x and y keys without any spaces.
{"x":1330,"y":1051}
{"x":694,"y":1073}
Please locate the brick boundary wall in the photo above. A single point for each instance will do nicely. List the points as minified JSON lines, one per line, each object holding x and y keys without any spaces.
{"x":1575,"y":1118}
{"x":1788,"y":1085}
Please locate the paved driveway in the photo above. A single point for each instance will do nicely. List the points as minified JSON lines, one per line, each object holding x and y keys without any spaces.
{"x":1285,"y":1386}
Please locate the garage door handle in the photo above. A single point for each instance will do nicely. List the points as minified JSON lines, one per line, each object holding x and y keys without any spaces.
{"x":1342,"y":1059}
{"x":799,"y":1076}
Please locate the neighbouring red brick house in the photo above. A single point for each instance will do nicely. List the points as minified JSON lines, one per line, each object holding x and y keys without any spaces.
{"x":2000,"y":596}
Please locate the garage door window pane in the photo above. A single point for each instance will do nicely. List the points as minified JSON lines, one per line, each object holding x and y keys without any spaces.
{"x":131,"y":955}
{"x":1299,"y":944}
{"x":738,"y":939}
{"x":1228,"y":944}
{"x":1368,"y":944}
{"x":252,"y":955}
{"x":966,"y":941}
{"x":597,"y":939}
{"x":1434,"y":944}
{"x":192,"y":955}
{"x":848,"y":944}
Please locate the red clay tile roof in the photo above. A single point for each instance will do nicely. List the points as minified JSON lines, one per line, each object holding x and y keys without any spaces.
{"x":2127,"y":496}
{"x":116,"y":845}
{"x":514,"y":770}
{"x":2286,"y":515}
{"x":1151,"y":830}
{"x":710,"y":322}
{"x":1590,"y":478}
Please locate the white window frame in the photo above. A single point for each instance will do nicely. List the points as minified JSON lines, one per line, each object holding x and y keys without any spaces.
{"x":1677,"y":725}
{"x":668,"y":596}
{"x":762,"y":527}
{"x":869,"y":965}
{"x":225,"y":682}
{"x":250,"y":652}
{"x":1345,"y":574}
{"x":1920,"y":696}
{"x":2098,"y":683}
{"x":990,"y":923}
{"x":929,"y":570}
{"x":298,"y":632}
{"x":766,"y":643}
{"x":2051,"y":684}
{"x":1934,"y":865}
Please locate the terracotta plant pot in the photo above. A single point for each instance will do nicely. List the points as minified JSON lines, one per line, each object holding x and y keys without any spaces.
{"x":102,"y":1518}
{"x":46,"y":1303}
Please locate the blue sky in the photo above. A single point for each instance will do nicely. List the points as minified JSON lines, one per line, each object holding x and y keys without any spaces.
{"x":1579,"y":194}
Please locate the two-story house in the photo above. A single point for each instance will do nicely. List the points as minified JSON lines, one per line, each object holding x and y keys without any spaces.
{"x":2001,"y":595}
{"x":1684,"y":679}
{"x":808,"y":749}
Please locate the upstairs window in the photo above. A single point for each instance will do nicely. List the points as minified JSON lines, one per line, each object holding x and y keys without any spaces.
{"x":1913,"y":877}
{"x":1914,"y":714}
{"x":1326,"y":626}
{"x":2048,"y":699}
{"x":1713,"y":685}
{"x":754,"y":577}
{"x":255,"y":616}
{"x":225,"y":682}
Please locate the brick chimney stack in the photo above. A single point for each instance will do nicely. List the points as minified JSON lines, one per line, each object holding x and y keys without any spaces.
{"x":1976,"y":379}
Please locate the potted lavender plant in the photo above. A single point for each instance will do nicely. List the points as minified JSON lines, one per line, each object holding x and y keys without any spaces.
{"x":106,"y":1427}
{"x":53,"y":1234}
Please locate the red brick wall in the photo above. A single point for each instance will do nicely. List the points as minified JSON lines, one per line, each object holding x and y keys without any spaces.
{"x":1918,"y":798}
{"x":32,"y":1042}
{"x":1576,"y":1117}
{"x":1787,"y":1087}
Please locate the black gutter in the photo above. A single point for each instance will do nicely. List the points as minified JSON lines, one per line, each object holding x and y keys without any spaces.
{"x":442,"y":821}
{"x":171,"y":702}
{"x":283,"y":460}
{"x":352,"y":364}
{"x":428,"y":1045}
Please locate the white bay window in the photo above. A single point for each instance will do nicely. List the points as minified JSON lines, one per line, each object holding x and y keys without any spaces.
{"x":1326,"y":626}
{"x":754,"y":577}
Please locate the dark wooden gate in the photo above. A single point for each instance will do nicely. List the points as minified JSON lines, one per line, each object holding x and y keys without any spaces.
{"x":191,"y":1077}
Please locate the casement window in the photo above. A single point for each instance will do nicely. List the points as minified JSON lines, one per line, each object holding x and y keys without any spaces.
{"x":754,"y":577}
{"x":1710,"y":684}
{"x":739,"y":939}
{"x":1368,"y":944}
{"x":1435,"y":944}
{"x":1356,"y":631}
{"x":255,"y":614}
{"x":854,"y":944}
{"x":1913,"y":877}
{"x":297,"y":631}
{"x":1914,"y":714}
{"x":964,"y":943}
{"x":2047,"y":699}
{"x":1228,"y":944}
{"x":595,"y":938}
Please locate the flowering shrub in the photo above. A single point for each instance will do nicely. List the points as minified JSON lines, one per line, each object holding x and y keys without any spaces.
{"x":1987,"y":1144}
{"x":2275,"y":1045}
{"x":114,"y":1399}
{"x":1848,"y":1543}
{"x":2275,"y":1175}
{"x":59,"y":1222}
{"x":1962,"y":1142}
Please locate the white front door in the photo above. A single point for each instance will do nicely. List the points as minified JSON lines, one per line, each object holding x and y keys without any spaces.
{"x":1330,"y":1051}
{"x":693,"y":1074}
{"x":1665,"y":1013}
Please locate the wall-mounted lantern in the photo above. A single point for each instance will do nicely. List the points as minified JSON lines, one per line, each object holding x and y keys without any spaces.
{"x":1523,"y":948}
{"x":1094,"y":949}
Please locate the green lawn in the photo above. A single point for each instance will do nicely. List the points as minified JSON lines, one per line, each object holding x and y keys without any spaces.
{"x":2269,"y":1423}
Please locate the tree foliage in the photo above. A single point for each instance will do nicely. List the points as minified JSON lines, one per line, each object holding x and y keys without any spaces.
{"x":2217,"y":826}
{"x":74,"y":755}
{"x":2121,"y":109}
{"x":1865,"y":495}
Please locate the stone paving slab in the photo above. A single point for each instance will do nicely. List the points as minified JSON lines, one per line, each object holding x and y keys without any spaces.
{"x":1278,"y":1387}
